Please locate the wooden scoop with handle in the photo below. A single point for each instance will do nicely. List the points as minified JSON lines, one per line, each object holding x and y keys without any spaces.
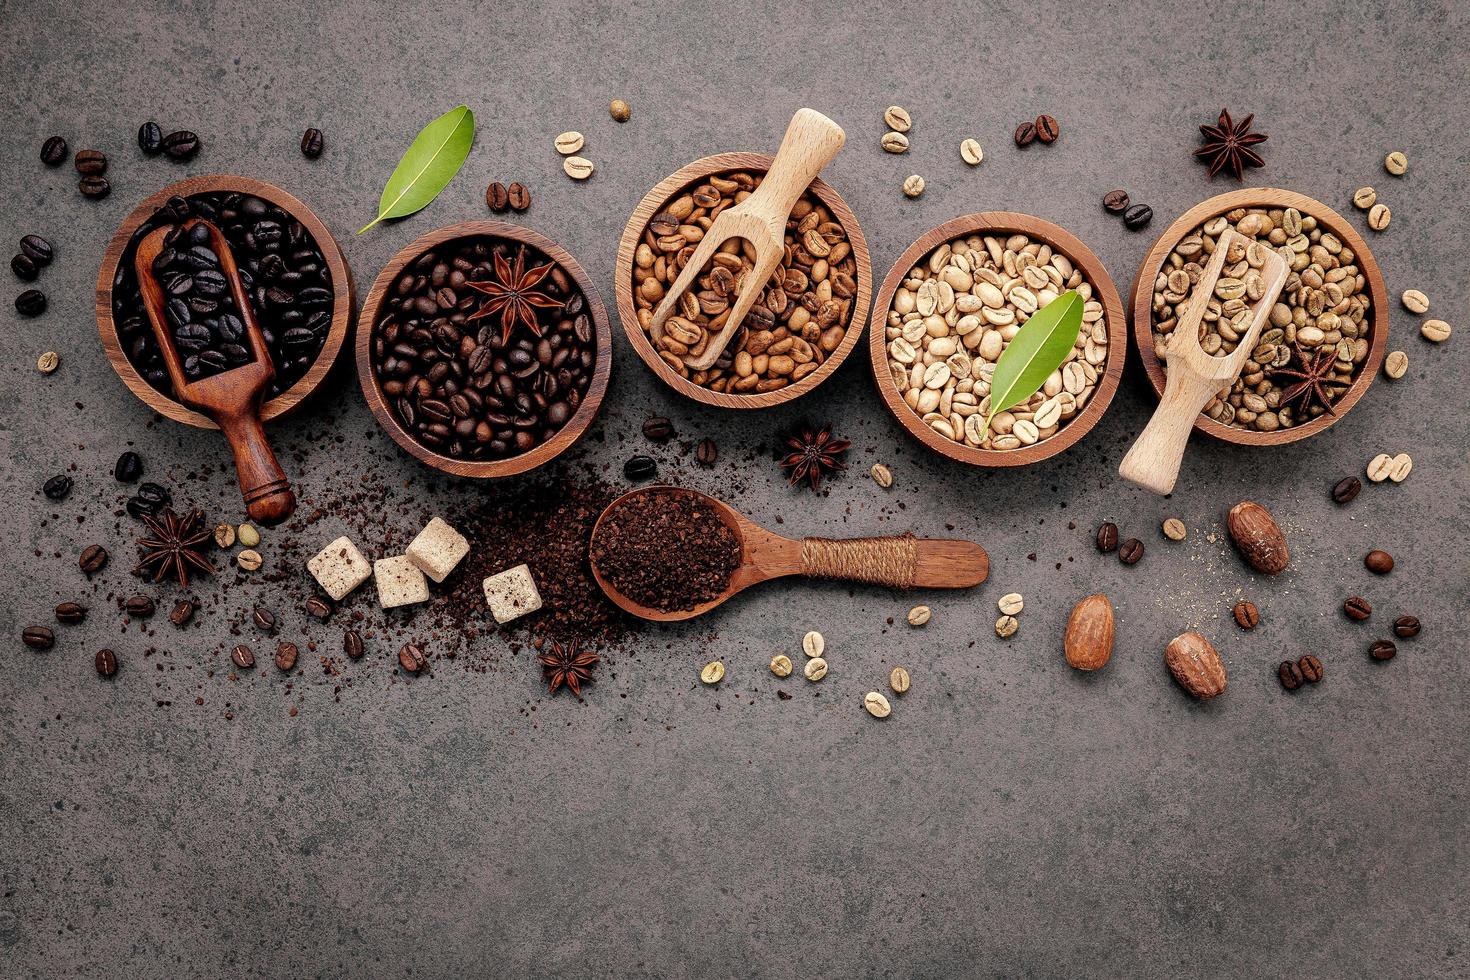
{"x":899,"y":562}
{"x":810,"y":143}
{"x":233,"y":397}
{"x":1194,"y":377}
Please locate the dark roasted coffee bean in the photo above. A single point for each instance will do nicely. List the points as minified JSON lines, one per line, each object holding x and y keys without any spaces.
{"x":138,"y":606}
{"x":1346,"y":489}
{"x":105,"y":662}
{"x":312,"y":143}
{"x":24,"y":268}
{"x":182,"y":613}
{"x":497,"y":198}
{"x":319,"y":608}
{"x":1130,"y":551}
{"x":656,"y":428}
{"x":93,"y":558}
{"x":706,"y":453}
{"x":141,"y":507}
{"x":32,"y":302}
{"x":1383,"y":650}
{"x":1357,"y":608}
{"x":1047,"y":129}
{"x":640,"y":468}
{"x":352,"y":644}
{"x":1138,"y":216}
{"x":181,"y":144}
{"x":37,"y":249}
{"x":519,"y":196}
{"x":1406,"y":626}
{"x":1246,"y":614}
{"x":1116,"y":202}
{"x":155,"y":494}
{"x":53,"y":151}
{"x":1378,"y":562}
{"x":286,"y":654}
{"x":70,"y":613}
{"x":150,"y":138}
{"x":243,"y":656}
{"x":129,"y":467}
{"x":1107,"y":537}
{"x":1311,"y":669}
{"x":264,"y":619}
{"x":94,"y":187}
{"x":38,"y":637}
{"x":57,"y":488}
{"x":1025,"y":134}
{"x":1290,"y":675}
{"x":411,"y":658}
{"x":90,"y":163}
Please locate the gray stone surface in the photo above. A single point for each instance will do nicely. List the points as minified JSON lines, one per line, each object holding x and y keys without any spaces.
{"x":1012,"y":817}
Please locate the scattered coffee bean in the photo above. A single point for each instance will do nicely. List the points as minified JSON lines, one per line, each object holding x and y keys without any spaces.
{"x":1406,"y":626}
{"x":1382,"y":650}
{"x":224,"y":535}
{"x":899,"y":680}
{"x":70,"y":613}
{"x":150,"y":138}
{"x":1107,"y":537}
{"x":352,"y":644}
{"x":312,"y":143}
{"x":781,"y":665}
{"x":94,"y":187}
{"x":139,"y":606}
{"x":712,"y":672}
{"x":1311,"y":668}
{"x":243,"y":656}
{"x":105,"y":662}
{"x":180,"y":144}
{"x":1399,"y":467}
{"x":913,"y":185}
{"x":569,"y":142}
{"x":1047,"y":129}
{"x":24,"y":268}
{"x":149,"y":500}
{"x":1137,"y":216}
{"x":815,"y":669}
{"x":32,"y":302}
{"x":1396,"y":163}
{"x":1378,"y":562}
{"x":706,"y":453}
{"x":1396,"y":364}
{"x":264,"y":619}
{"x":971,"y":152}
{"x":183,"y":611}
{"x":894,"y":143}
{"x":286,"y":654}
{"x":48,"y":362}
{"x":919,"y":615}
{"x":319,"y":608}
{"x":1379,"y":467}
{"x":1011,"y":603}
{"x":1364,"y":198}
{"x":37,"y":249}
{"x":1357,"y":608}
{"x":813,"y":644}
{"x":1130,"y":551}
{"x":1346,"y":489}
{"x":1025,"y":134}
{"x":656,"y":428}
{"x":248,"y":560}
{"x":1415,"y":301}
{"x":497,"y":198}
{"x":1006,"y":626}
{"x":92,"y":559}
{"x":1115,"y":202}
{"x":881,"y":475}
{"x":90,"y":163}
{"x":1379,"y":216}
{"x":129,"y":467}
{"x":38,"y":637}
{"x":411,"y":658}
{"x":620,"y":110}
{"x":640,"y":468}
{"x":1175,"y":530}
{"x":53,"y":151}
{"x":897,"y":118}
{"x":248,"y":536}
{"x":1290,"y":675}
{"x":877,"y":705}
{"x":1435,"y":331}
{"x":519,"y":196}
{"x":57,"y":488}
{"x":577,"y":168}
{"x":1246,"y":614}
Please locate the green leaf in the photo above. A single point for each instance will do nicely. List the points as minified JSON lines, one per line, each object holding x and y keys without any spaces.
{"x":428,"y":165}
{"x":1037,"y":349}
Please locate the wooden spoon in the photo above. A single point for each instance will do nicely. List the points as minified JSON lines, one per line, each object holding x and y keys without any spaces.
{"x":1194,"y":376}
{"x":924,"y":563}
{"x":810,"y":143}
{"x":231,"y":398}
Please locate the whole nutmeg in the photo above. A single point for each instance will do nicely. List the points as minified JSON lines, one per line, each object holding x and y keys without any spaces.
{"x":1088,"y":642}
{"x":1257,"y":537}
{"x":1195,"y":665}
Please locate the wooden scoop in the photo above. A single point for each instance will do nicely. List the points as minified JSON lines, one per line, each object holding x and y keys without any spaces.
{"x":233,"y":397}
{"x":1194,"y":376}
{"x":899,"y":562}
{"x":810,"y":143}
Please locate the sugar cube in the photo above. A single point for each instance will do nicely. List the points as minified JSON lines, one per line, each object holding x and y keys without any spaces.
{"x":512,"y":593}
{"x":339,"y":568}
{"x":400,"y":583}
{"x":437,"y":549}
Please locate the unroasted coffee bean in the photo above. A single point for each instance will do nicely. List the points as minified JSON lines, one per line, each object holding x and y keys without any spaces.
{"x":92,"y":559}
{"x":1025,"y":134}
{"x":319,"y":608}
{"x":53,"y":151}
{"x":1246,"y":614}
{"x":128,"y":468}
{"x":24,"y":268}
{"x":57,"y":488}
{"x":138,"y":606}
{"x":1383,"y":650}
{"x":706,"y":453}
{"x":106,"y":663}
{"x":243,"y":656}
{"x":1357,"y":608}
{"x":519,"y":196}
{"x":1130,"y":551}
{"x":352,"y":644}
{"x":1346,"y":489}
{"x":640,"y":468}
{"x":183,"y":612}
{"x":94,"y":187}
{"x":312,"y":143}
{"x":658,"y":429}
{"x":1047,"y":129}
{"x":286,"y":654}
{"x":1378,"y":562}
{"x":1290,"y":675}
{"x":150,"y":138}
{"x":411,"y":658}
{"x":1137,"y":216}
{"x":1116,"y":202}
{"x":90,"y":163}
{"x":70,"y":613}
{"x":264,"y":619}
{"x":497,"y":198}
{"x":1107,"y":537}
{"x":32,"y":302}
{"x":38,"y":637}
{"x":1406,"y":626}
{"x":1311,"y":669}
{"x":180,"y":144}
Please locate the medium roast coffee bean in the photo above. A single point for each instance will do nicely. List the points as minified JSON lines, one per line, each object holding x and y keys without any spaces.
{"x":1383,"y":650}
{"x":706,"y":453}
{"x":1130,"y":551}
{"x":1116,"y":202}
{"x":94,"y":187}
{"x":519,"y":196}
{"x":1357,"y":608}
{"x":93,"y":558}
{"x":70,"y":613}
{"x":24,"y":268}
{"x":411,"y":658}
{"x":38,"y":637}
{"x":1346,"y":489}
{"x":319,"y":608}
{"x":183,"y":612}
{"x":53,"y":151}
{"x":90,"y":163}
{"x":129,"y":467}
{"x":1107,"y":537}
{"x":264,"y":619}
{"x":1137,"y":216}
{"x":1406,"y":626}
{"x":57,"y":488}
{"x":1290,"y":675}
{"x":106,"y":663}
{"x":286,"y":654}
{"x":312,"y":143}
{"x":181,"y":144}
{"x":1378,"y":562}
{"x":1311,"y":669}
{"x":352,"y":644}
{"x":32,"y":302}
{"x":640,"y":468}
{"x":658,"y":429}
{"x":150,"y":138}
{"x":1246,"y":614}
{"x":243,"y":656}
{"x":497,"y":198}
{"x":1025,"y":134}
{"x":1047,"y":129}
{"x":138,"y":606}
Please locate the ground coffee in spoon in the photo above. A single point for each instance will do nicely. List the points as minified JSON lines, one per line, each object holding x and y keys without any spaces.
{"x":670,"y":551}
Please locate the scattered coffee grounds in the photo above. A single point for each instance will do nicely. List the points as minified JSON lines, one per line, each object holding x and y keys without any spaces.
{"x":283,"y":271}
{"x":669,"y":551}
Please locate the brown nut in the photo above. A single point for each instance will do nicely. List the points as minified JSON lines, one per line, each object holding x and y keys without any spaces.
{"x":1257,"y":537}
{"x":1088,"y":642}
{"x":1195,"y":665}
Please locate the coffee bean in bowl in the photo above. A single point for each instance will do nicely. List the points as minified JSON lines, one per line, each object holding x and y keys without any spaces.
{"x":488,"y":351}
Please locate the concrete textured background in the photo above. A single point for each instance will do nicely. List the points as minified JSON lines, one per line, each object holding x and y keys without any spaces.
{"x":1012,"y":818}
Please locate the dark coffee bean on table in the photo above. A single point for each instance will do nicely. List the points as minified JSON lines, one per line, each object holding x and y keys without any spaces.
{"x":37,"y":249}
{"x":312,"y":143}
{"x":1116,"y":202}
{"x":640,"y":468}
{"x":1130,"y":551}
{"x":1383,"y":650}
{"x":1290,"y":675}
{"x":1025,"y":134}
{"x":519,"y":196}
{"x":24,"y":268}
{"x":1047,"y":129}
{"x":1357,"y":608}
{"x":53,"y":151}
{"x":1378,"y":562}
{"x":183,"y":611}
{"x":93,"y":559}
{"x":1107,"y":537}
{"x":105,"y":662}
{"x":1137,"y":216}
{"x":70,"y":613}
{"x":1346,"y":489}
{"x":319,"y":608}
{"x":181,"y":144}
{"x":411,"y":658}
{"x":94,"y":187}
{"x":656,"y":428}
{"x":264,"y":619}
{"x":243,"y":656}
{"x":32,"y":302}
{"x":90,"y":163}
{"x":139,"y":607}
{"x":497,"y":198}
{"x":286,"y":654}
{"x":1246,"y":614}
{"x":706,"y":453}
{"x":150,"y":138}
{"x":129,"y":467}
{"x":38,"y":637}
{"x":149,"y":500}
{"x":1406,"y":626}
{"x":1311,"y":668}
{"x":57,"y":488}
{"x":352,"y":644}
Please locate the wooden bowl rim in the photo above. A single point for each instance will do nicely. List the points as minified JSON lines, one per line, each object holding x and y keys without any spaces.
{"x":575,"y":427}
{"x":654,"y":200}
{"x":989,"y":223}
{"x":1141,"y":305}
{"x":343,"y":296}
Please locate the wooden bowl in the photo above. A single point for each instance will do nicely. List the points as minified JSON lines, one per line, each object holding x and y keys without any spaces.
{"x":1061,"y":240}
{"x":1141,"y":304}
{"x":343,"y":298}
{"x":581,"y":419}
{"x":656,"y":200}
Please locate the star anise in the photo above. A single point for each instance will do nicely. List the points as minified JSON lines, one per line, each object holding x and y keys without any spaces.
{"x":174,"y":544}
{"x":1313,"y":378}
{"x":1228,"y":145}
{"x":566,"y":664}
{"x":513,"y":295}
{"x":811,"y":454}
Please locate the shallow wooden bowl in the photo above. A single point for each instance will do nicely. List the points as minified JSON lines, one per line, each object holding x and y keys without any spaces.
{"x":343,"y":293}
{"x":581,"y":419}
{"x":1141,"y":303}
{"x":1002,"y":223}
{"x":655,"y":201}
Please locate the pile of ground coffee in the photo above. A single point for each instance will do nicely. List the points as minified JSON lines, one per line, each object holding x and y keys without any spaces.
{"x":666,"y":550}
